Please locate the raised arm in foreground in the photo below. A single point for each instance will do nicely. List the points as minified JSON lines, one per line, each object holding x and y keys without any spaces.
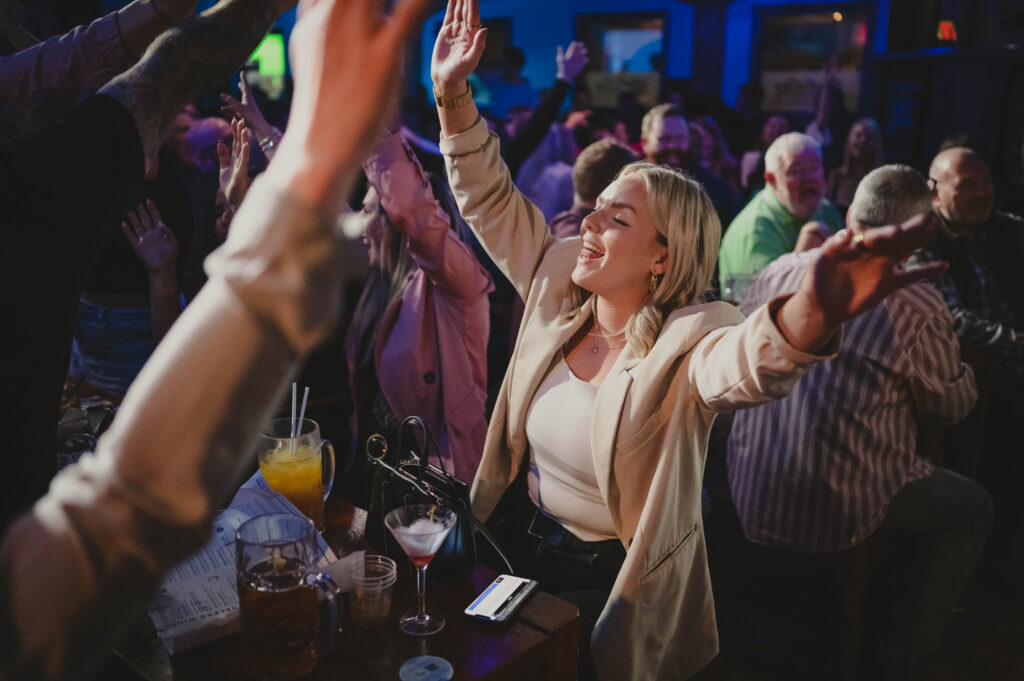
{"x":190,"y":60}
{"x":75,"y":570}
{"x":44,"y":81}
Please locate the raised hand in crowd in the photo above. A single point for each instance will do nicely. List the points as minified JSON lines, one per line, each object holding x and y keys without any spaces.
{"x":458,"y":48}
{"x":829,"y":80}
{"x":225,"y":215}
{"x":234,"y":164}
{"x":157,"y":248}
{"x":12,"y":16}
{"x":246,"y":108}
{"x":188,"y":61}
{"x":570,"y":62}
{"x":233,"y":177}
{"x":853,"y":274}
{"x":151,"y":239}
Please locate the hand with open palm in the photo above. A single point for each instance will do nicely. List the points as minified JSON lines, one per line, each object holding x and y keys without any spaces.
{"x":852,"y":274}
{"x":459,"y":46}
{"x":234,"y":164}
{"x":151,"y":239}
{"x":855,"y":272}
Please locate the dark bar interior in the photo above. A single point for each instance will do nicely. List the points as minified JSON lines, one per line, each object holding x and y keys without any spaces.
{"x":704,"y":317}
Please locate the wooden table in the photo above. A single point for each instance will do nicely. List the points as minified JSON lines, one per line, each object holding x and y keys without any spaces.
{"x":541,"y":642}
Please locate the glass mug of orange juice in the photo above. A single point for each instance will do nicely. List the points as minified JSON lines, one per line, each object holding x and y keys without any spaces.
{"x":300,"y":468}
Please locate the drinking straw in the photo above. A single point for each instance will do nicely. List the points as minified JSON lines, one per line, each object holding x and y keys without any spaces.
{"x":293,"y":409}
{"x":302,"y":412}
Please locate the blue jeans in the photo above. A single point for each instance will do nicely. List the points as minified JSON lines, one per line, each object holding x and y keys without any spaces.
{"x":942,"y":521}
{"x":110,"y":345}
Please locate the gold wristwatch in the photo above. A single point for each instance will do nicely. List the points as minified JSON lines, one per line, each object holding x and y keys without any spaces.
{"x":454,"y":102}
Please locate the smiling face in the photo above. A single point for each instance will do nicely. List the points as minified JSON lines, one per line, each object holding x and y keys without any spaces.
{"x":860,"y":140}
{"x":964,"y":195}
{"x":621,"y":247}
{"x":799,"y":185}
{"x":371,"y":218}
{"x":668,"y":141}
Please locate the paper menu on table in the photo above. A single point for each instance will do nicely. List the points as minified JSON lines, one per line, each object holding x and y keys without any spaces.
{"x":198,"y":599}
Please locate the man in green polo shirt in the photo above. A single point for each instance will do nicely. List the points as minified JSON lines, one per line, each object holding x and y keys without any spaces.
{"x":791,"y":208}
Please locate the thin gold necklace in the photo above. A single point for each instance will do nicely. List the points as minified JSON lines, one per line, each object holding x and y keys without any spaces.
{"x":595,"y":348}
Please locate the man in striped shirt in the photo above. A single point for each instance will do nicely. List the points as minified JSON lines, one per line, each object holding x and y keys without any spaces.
{"x":822,"y":469}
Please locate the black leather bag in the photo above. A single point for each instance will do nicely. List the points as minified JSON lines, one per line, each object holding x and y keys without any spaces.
{"x":405,"y":476}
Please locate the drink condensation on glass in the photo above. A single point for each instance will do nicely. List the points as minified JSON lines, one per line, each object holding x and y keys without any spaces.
{"x":301,"y":468}
{"x":278,"y":597}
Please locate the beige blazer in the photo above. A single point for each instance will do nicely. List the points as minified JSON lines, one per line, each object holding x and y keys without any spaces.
{"x":652,"y":418}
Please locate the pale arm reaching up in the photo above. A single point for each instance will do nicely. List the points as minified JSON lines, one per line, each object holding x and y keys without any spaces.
{"x":75,"y":570}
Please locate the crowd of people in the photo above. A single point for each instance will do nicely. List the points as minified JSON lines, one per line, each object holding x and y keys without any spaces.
{"x":567,"y":297}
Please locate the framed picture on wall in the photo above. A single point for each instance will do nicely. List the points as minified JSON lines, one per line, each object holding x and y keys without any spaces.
{"x":627,"y":54}
{"x":797,"y":42}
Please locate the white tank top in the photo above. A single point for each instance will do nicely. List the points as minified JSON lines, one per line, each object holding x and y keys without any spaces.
{"x":561,"y":480}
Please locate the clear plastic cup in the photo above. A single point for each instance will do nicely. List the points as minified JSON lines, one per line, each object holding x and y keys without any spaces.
{"x":372,"y":580}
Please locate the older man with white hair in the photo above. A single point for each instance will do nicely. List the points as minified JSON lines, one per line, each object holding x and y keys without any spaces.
{"x":823,"y":469}
{"x":790,"y":213}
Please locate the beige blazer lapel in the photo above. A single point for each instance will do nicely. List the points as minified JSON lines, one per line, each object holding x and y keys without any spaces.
{"x":536,"y":353}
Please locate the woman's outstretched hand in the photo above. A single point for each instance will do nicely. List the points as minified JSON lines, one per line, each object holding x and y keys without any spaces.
{"x":459,"y":46}
{"x":854,"y":273}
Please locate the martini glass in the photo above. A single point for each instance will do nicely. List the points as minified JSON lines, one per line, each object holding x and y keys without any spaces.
{"x":420,"y":529}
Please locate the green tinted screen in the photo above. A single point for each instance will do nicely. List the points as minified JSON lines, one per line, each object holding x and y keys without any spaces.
{"x":270,"y":55}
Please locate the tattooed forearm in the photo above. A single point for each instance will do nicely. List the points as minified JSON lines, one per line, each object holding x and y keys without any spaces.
{"x":190,"y":60}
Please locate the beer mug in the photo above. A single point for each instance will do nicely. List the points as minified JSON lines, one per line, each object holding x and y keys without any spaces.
{"x":300,"y":468}
{"x":278,"y":588}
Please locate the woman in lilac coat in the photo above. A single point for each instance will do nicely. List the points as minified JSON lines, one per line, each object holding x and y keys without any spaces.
{"x":417,"y":343}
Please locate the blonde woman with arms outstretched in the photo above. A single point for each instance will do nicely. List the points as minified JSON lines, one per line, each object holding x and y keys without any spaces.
{"x":597,"y":442}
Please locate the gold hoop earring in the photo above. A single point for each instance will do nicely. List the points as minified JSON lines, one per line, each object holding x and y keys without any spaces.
{"x":653,"y":284}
